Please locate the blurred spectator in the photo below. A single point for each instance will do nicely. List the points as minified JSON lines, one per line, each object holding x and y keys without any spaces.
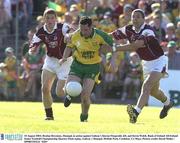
{"x":96,"y":21}
{"x":60,"y":7}
{"x":32,"y":64}
{"x":7,"y":6}
{"x":125,"y":18}
{"x":164,"y":19}
{"x":71,"y":21}
{"x":176,"y":7}
{"x":22,"y":17}
{"x":89,"y":9}
{"x":159,"y":31}
{"x":119,"y":61}
{"x":5,"y":18}
{"x":68,"y":18}
{"x":165,"y":9}
{"x":29,"y":6}
{"x":95,"y":3}
{"x":117,"y":10}
{"x":71,"y":2}
{"x":102,"y":9}
{"x":106,"y":23}
{"x":11,"y":77}
{"x":155,"y":6}
{"x":174,"y":56}
{"x":108,"y":74}
{"x":40,"y":22}
{"x":170,"y":33}
{"x":177,"y":32}
{"x":133,"y":77}
{"x":75,"y":24}
{"x":31,"y":67}
{"x":164,"y":47}
{"x":74,"y":12}
{"x":25,"y":46}
{"x":143,"y":4}
{"x":72,"y":17}
{"x":134,"y":3}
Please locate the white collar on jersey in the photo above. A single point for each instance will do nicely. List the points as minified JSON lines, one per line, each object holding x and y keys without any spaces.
{"x":142,"y":26}
{"x":45,"y":29}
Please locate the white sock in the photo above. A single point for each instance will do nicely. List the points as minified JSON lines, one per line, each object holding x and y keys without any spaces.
{"x":64,"y":89}
{"x":167,"y":102}
{"x":137,"y":109}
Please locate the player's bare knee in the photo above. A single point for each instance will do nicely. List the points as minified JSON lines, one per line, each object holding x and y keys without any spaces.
{"x":149,"y":83}
{"x":146,"y":88}
{"x":45,"y":90}
{"x":60,"y":93}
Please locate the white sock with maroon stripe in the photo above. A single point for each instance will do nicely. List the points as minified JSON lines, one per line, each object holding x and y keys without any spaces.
{"x":167,"y":102}
{"x":137,"y":109}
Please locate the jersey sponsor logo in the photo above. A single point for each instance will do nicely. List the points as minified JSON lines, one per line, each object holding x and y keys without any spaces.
{"x":53,"y":44}
{"x":88,"y":54}
{"x":51,"y":40}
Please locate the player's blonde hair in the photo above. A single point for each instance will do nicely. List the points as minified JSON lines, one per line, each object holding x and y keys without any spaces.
{"x":49,"y":11}
{"x":140,"y":11}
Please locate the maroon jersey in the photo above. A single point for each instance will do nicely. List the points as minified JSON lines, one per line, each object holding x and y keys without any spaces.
{"x":54,"y":41}
{"x":152,"y":49}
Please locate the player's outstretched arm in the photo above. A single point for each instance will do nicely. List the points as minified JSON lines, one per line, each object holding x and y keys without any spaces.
{"x":130,"y":47}
{"x":66,"y":54}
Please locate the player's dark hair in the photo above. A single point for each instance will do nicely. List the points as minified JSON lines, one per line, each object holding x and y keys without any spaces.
{"x":140,"y":11}
{"x":86,"y":21}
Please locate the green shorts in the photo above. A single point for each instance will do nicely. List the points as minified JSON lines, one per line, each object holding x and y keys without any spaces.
{"x":85,"y":70}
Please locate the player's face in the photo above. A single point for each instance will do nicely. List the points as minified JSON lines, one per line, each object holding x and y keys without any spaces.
{"x":50,"y":20}
{"x":135,"y":58}
{"x":9,"y":54}
{"x":86,"y":30}
{"x":137,"y":19}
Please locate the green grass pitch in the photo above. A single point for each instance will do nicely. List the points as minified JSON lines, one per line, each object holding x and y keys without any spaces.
{"x":28,"y":117}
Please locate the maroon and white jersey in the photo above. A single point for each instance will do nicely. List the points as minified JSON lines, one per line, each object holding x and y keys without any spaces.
{"x":152,"y":50}
{"x":54,"y":41}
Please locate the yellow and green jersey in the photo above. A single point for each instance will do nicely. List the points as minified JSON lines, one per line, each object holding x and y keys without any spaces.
{"x":11,"y":68}
{"x":10,"y":62}
{"x":87,"y":49}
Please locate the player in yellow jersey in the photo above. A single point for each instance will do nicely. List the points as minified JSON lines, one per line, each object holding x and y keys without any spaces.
{"x":86,"y":44}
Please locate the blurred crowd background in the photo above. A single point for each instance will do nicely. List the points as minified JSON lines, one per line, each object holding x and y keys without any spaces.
{"x":19,"y":20}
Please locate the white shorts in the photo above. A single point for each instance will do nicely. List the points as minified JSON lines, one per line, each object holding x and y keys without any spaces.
{"x":52,"y":64}
{"x":158,"y":65}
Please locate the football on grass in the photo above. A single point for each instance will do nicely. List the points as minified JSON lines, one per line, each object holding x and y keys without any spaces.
{"x":73,"y":88}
